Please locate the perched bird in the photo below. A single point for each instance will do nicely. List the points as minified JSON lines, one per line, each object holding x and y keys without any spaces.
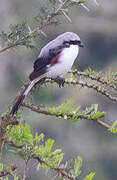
{"x":54,"y":61}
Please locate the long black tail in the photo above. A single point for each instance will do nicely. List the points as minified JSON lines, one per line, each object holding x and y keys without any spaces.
{"x":19,"y":99}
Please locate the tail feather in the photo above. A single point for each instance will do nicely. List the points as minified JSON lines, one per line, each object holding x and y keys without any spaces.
{"x":17,"y":104}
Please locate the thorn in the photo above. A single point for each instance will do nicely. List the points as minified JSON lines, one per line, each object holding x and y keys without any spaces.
{"x":43,"y":33}
{"x":84,"y":6}
{"x":30,"y":31}
{"x":95,"y":1}
{"x":65,"y":14}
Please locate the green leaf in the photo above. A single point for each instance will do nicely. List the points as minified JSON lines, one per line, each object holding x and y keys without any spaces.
{"x":57,"y":151}
{"x":48,"y":145}
{"x":90,"y":176}
{"x":1,"y":167}
{"x":20,"y":135}
{"x":39,"y":137}
{"x":113,"y":128}
{"x":58,"y":159}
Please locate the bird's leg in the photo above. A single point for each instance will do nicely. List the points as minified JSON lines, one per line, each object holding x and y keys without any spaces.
{"x":60,"y":81}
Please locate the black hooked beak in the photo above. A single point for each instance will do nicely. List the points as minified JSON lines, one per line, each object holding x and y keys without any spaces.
{"x":80,"y":44}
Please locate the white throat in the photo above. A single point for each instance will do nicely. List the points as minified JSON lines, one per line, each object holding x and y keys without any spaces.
{"x":65,"y":62}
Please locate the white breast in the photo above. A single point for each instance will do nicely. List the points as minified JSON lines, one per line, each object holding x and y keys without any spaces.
{"x":65,"y":62}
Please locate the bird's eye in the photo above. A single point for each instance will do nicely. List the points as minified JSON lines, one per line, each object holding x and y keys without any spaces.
{"x":78,"y":42}
{"x":65,"y":42}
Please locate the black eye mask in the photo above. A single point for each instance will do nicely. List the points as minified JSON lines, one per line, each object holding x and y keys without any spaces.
{"x":76,"y":42}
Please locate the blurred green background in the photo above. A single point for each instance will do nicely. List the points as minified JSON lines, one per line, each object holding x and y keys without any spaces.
{"x":98,"y":31}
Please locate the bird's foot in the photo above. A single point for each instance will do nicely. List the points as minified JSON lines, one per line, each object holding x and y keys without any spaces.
{"x":60,"y":81}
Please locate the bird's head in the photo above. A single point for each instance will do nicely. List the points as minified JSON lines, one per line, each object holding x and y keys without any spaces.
{"x":70,"y":38}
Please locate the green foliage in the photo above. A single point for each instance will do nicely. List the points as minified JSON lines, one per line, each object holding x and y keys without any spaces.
{"x":113,"y":128}
{"x":20,"y":134}
{"x":77,"y":166}
{"x":29,"y":147}
{"x":90,"y":176}
{"x":63,"y":109}
{"x":66,"y":111}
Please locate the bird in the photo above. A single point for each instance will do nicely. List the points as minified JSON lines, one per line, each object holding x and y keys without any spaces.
{"x":54,"y":61}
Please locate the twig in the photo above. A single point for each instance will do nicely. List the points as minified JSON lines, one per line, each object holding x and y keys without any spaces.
{"x":11,"y":143}
{"x":25,"y":170}
{"x":46,"y":112}
{"x":7,"y":171}
{"x":58,"y":170}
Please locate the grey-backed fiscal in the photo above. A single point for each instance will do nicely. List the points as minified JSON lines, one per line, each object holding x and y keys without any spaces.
{"x":54,"y":61}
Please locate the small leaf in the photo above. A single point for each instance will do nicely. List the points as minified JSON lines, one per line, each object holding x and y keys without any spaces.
{"x":1,"y":167}
{"x":90,"y":176}
{"x":77,"y":166}
{"x":113,"y":128}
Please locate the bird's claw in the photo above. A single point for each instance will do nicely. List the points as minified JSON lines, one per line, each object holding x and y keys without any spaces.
{"x":60,"y":81}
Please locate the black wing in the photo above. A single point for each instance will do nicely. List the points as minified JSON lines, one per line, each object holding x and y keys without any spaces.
{"x":41,"y":63}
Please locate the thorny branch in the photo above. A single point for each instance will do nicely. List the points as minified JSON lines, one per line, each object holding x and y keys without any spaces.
{"x":97,"y":88}
{"x":46,"y":112}
{"x":95,"y":78}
